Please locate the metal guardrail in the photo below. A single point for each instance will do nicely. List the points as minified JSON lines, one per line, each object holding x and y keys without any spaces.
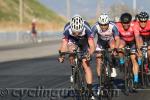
{"x":17,"y":36}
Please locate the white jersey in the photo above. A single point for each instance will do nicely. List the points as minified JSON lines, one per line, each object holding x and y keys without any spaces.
{"x":105,"y":35}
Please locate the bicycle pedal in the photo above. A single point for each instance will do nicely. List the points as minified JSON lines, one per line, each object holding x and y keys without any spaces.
{"x":82,"y":90}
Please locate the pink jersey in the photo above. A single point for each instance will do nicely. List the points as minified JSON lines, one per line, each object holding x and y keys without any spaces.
{"x":128,"y":35}
{"x":143,"y":31}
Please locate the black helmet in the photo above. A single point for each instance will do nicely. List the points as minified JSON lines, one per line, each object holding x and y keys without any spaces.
{"x":126,"y":18}
{"x":143,"y":16}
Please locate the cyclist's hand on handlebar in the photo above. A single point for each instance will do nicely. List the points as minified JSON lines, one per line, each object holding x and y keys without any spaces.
{"x":61,"y":59}
{"x":88,"y":56}
{"x":115,"y":51}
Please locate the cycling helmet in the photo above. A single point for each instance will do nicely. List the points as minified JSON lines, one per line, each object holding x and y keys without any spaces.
{"x":77,"y":23}
{"x":143,"y":16}
{"x":33,"y":20}
{"x":126,"y":18}
{"x":103,"y":19}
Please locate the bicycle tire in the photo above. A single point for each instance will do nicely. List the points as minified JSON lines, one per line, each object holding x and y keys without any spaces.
{"x":26,"y":37}
{"x":108,"y":82}
{"x":79,"y":84}
{"x":130,"y":83}
{"x":128,"y":77}
{"x":101,"y":96}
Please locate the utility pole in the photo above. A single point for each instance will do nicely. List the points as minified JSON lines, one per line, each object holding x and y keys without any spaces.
{"x":134,"y":6}
{"x":68,"y":8}
{"x":100,"y":7}
{"x":20,"y":11}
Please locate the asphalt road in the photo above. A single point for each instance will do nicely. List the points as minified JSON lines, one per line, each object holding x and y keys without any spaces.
{"x":18,"y":77}
{"x":27,"y":45}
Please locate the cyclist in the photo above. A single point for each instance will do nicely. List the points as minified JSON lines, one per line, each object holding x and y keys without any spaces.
{"x":108,"y":37}
{"x":33,"y":29}
{"x":78,"y":31}
{"x":143,"y":27}
{"x":129,"y":37}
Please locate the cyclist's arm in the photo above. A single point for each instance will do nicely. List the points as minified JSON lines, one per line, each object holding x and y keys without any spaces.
{"x":137,"y":37}
{"x":91,"y":45}
{"x":90,"y":37}
{"x":63,"y":45}
{"x":64,"y":42}
{"x":94,"y":30}
{"x":116,"y":37}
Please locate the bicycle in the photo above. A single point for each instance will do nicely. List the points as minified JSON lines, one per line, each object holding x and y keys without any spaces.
{"x":29,"y":37}
{"x":105,"y":90}
{"x":145,"y":76}
{"x":127,"y":69}
{"x":78,"y":82}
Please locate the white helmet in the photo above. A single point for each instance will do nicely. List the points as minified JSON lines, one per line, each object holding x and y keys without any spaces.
{"x":103,"y":19}
{"x":77,"y":23}
{"x":33,"y":20}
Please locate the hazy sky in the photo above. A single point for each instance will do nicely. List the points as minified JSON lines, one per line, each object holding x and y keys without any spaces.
{"x":88,"y":7}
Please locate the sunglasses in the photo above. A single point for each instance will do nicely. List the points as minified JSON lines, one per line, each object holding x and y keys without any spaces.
{"x":125,"y":23}
{"x":143,"y":21}
{"x":103,"y":24}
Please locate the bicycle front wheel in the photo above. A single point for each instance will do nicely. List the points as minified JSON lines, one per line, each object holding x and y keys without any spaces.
{"x":80,"y":84}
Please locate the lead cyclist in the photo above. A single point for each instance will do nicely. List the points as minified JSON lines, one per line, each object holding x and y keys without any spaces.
{"x":78,"y":31}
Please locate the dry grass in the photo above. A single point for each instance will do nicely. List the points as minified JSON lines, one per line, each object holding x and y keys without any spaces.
{"x":15,"y":27}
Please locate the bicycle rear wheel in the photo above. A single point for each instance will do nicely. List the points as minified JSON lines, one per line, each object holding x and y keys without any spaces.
{"x":128,"y":77}
{"x":147,"y":80}
{"x":26,"y":37}
{"x":142,"y":73}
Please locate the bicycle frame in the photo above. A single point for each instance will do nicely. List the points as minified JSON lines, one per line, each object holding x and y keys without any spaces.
{"x":144,"y":65}
{"x":79,"y":85}
{"x":107,"y":85}
{"x":128,"y":74}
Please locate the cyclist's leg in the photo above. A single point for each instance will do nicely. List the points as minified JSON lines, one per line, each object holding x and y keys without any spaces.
{"x":112,"y":46}
{"x":34,"y":35}
{"x":87,"y":68}
{"x":88,"y":71}
{"x":98,"y":60}
{"x":121,"y":55}
{"x":135,"y":65}
{"x":139,"y":53}
{"x":71,"y":48}
{"x":88,"y":76}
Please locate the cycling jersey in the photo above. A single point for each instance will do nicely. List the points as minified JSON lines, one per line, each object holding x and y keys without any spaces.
{"x":82,"y":38}
{"x":129,"y":35}
{"x":144,"y":32}
{"x":105,"y":35}
{"x":34,"y":29}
